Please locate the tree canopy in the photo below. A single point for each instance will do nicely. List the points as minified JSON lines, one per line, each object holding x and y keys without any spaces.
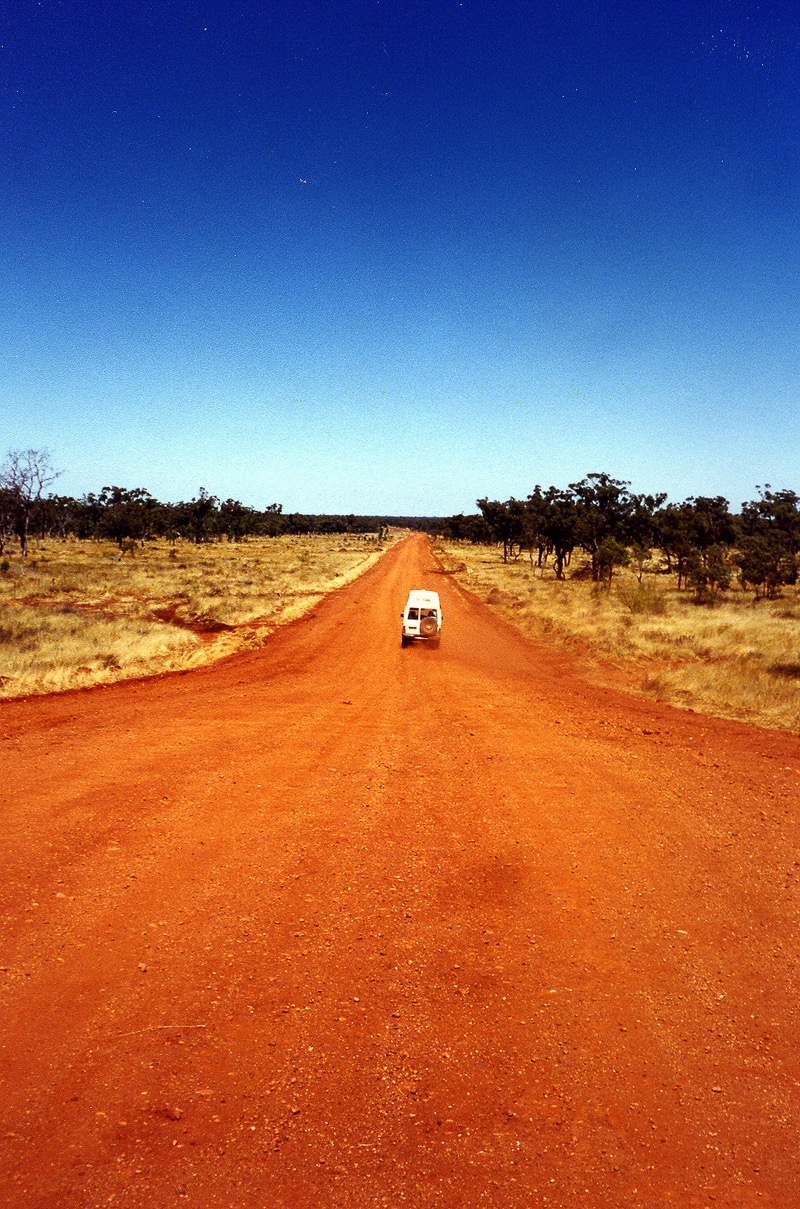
{"x":701,"y":539}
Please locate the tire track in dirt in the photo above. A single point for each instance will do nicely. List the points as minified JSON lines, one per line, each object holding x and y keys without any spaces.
{"x":335,"y":923}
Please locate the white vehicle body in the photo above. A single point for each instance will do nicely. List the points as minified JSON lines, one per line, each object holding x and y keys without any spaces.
{"x":422,"y":617}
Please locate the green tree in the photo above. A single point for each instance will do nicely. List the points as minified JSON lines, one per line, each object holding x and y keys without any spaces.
{"x":200,"y":516}
{"x":604,"y":509}
{"x":775,"y":513}
{"x":506,"y":522}
{"x":642,"y":528}
{"x":123,"y":514}
{"x":271,"y":521}
{"x":236,"y":520}
{"x":55,"y":516}
{"x":471,"y":528}
{"x":766,"y":563}
{"x":688,"y":532}
{"x":673,"y":535}
{"x":710,"y":521}
{"x":610,"y":555}
{"x":553,"y":525}
{"x":708,"y":572}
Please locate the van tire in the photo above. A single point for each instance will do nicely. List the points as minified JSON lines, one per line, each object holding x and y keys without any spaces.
{"x":427,"y":627}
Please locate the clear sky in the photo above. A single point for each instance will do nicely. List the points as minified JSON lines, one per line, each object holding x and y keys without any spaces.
{"x":386,"y":256}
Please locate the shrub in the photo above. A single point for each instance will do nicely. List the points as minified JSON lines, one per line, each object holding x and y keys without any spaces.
{"x":643,"y":598}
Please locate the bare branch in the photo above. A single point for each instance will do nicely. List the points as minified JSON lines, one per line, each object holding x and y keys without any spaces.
{"x":24,"y":475}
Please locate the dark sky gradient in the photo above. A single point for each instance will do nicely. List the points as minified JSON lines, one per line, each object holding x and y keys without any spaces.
{"x":386,"y":257}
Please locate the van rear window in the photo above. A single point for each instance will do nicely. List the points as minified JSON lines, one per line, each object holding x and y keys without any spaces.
{"x":413,"y":614}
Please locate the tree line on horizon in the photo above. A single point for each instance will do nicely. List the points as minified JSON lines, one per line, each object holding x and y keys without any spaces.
{"x":701,"y":539}
{"x":132,"y":516}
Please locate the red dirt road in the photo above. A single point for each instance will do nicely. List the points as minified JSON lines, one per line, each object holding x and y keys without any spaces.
{"x":339,"y":924}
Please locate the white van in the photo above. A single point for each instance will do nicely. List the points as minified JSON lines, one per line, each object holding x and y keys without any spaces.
{"x":422,"y":617}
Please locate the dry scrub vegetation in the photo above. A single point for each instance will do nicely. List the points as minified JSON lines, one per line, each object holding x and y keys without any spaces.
{"x":739,"y":658}
{"x":80,"y":613}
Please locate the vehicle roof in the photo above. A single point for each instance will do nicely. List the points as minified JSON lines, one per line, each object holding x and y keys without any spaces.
{"x":420,"y":596}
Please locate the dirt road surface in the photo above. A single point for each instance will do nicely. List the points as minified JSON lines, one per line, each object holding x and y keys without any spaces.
{"x":335,"y":923}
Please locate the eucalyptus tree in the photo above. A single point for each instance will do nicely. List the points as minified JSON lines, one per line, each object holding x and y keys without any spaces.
{"x":769,"y":541}
{"x":775,"y":513}
{"x":124,"y":514}
{"x":506,"y":522}
{"x":604,"y":509}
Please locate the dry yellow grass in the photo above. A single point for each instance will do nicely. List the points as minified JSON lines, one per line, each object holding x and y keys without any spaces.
{"x":737,"y":659}
{"x":79,"y":613}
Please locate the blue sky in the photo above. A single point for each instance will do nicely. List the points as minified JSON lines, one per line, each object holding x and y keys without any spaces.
{"x":389,"y":257}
